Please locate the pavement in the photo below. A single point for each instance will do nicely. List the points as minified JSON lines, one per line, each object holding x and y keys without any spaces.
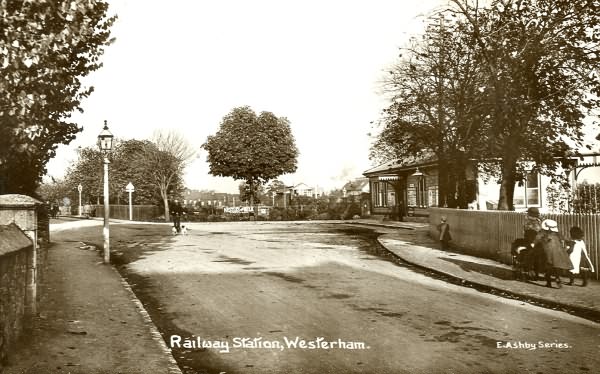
{"x":91,"y":322}
{"x":412,"y":244}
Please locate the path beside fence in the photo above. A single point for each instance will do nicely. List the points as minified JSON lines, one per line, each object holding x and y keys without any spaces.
{"x":490,"y":233}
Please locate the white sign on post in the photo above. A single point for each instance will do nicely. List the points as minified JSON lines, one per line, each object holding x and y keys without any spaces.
{"x":129,"y":188}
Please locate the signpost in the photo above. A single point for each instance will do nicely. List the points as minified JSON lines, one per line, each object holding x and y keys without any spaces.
{"x":79,"y":188}
{"x":129,"y":188}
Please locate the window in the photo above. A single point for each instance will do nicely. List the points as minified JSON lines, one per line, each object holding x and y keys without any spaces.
{"x":379,"y":194}
{"x":527,"y":192}
{"x":421,"y":200}
{"x":432,"y":195}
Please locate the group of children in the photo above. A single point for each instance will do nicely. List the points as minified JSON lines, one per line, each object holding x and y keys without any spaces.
{"x":557,"y":253}
{"x":543,"y":249}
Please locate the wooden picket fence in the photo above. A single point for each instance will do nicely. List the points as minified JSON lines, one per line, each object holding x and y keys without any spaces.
{"x":490,"y":233}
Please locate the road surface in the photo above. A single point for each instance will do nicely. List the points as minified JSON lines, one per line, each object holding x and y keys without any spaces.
{"x":316,"y":298}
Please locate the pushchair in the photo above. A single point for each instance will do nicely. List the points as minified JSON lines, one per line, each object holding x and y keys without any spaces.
{"x":526,"y":257}
{"x":521,"y":251}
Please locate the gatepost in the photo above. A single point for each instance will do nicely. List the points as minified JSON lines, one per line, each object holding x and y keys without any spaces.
{"x":22,"y":210}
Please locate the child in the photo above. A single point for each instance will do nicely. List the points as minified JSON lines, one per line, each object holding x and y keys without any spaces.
{"x":532,"y":220}
{"x":578,"y":256}
{"x":445,"y":237}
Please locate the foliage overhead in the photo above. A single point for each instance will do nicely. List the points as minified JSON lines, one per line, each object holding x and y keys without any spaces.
{"x":46,"y":48}
{"x":506,"y":83}
{"x":540,"y":63}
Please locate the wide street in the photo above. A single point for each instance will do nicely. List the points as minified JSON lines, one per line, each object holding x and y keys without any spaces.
{"x":316,"y":298}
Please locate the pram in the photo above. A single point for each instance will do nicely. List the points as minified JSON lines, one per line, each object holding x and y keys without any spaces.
{"x":522,"y":255}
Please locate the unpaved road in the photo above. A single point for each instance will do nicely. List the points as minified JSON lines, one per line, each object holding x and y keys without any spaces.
{"x":272,"y":283}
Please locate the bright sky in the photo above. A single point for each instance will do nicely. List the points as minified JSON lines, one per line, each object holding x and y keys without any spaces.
{"x":184,"y":64}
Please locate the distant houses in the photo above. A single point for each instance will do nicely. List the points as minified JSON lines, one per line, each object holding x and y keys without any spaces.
{"x":205,"y":199}
{"x":356,"y":187}
{"x":301,"y":189}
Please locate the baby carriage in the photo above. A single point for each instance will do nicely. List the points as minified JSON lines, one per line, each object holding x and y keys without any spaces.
{"x":521,"y":249}
{"x":524,"y":254}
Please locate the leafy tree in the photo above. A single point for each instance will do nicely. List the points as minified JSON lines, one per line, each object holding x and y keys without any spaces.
{"x":129,"y":163}
{"x":277,"y":188}
{"x":88,"y":172}
{"x":256,"y":195}
{"x":539,"y":60}
{"x":55,"y":191}
{"x":252,"y":148}
{"x":587,"y":198}
{"x":164,"y":159}
{"x":46,"y":48}
{"x":435,"y":105}
{"x":126,"y":167}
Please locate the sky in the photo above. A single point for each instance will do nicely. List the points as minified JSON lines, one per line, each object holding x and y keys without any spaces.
{"x":184,"y":64}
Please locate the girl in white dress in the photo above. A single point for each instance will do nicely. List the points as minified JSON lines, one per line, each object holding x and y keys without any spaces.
{"x":579,"y":256}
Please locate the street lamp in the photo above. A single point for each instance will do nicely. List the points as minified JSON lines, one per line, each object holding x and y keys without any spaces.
{"x":105,"y":144}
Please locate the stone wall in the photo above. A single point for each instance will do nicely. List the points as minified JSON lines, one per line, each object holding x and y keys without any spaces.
{"x":22,"y":265}
{"x":15,"y":250}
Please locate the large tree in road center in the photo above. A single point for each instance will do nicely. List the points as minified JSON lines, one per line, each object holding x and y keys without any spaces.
{"x":252,"y":148}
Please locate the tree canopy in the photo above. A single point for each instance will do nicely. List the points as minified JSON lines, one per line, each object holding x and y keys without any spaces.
{"x":46,"y":48}
{"x":155,"y":167}
{"x":124,"y":168}
{"x":540,"y":63}
{"x":505,"y":83}
{"x":252,"y":148}
{"x":164,"y":160}
{"x":434,"y":105}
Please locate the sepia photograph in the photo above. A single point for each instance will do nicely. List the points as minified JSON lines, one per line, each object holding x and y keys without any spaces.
{"x":299,"y":187}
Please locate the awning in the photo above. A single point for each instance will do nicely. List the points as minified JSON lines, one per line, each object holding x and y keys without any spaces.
{"x":389,"y":178}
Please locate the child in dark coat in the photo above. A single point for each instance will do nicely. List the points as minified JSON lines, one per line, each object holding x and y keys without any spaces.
{"x":445,"y":237}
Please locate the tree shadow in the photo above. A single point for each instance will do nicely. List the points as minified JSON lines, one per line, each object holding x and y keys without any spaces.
{"x":504,"y":274}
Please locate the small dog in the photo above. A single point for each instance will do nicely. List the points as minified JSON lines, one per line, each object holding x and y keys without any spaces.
{"x":184,"y":230}
{"x":173,"y":230}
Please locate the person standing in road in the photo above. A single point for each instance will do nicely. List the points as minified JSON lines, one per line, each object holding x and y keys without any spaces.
{"x":176,"y":211}
{"x":578,"y":256}
{"x":556,"y":258}
{"x":445,"y":237}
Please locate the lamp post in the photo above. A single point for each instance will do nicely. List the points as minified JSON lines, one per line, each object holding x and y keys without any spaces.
{"x":79,"y":188}
{"x":105,"y":144}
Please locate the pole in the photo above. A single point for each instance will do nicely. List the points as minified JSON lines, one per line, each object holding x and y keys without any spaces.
{"x":106,"y":231}
{"x":130,"y":207}
{"x":79,"y":208}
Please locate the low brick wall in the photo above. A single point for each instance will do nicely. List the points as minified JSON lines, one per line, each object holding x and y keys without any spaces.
{"x":15,"y":250}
